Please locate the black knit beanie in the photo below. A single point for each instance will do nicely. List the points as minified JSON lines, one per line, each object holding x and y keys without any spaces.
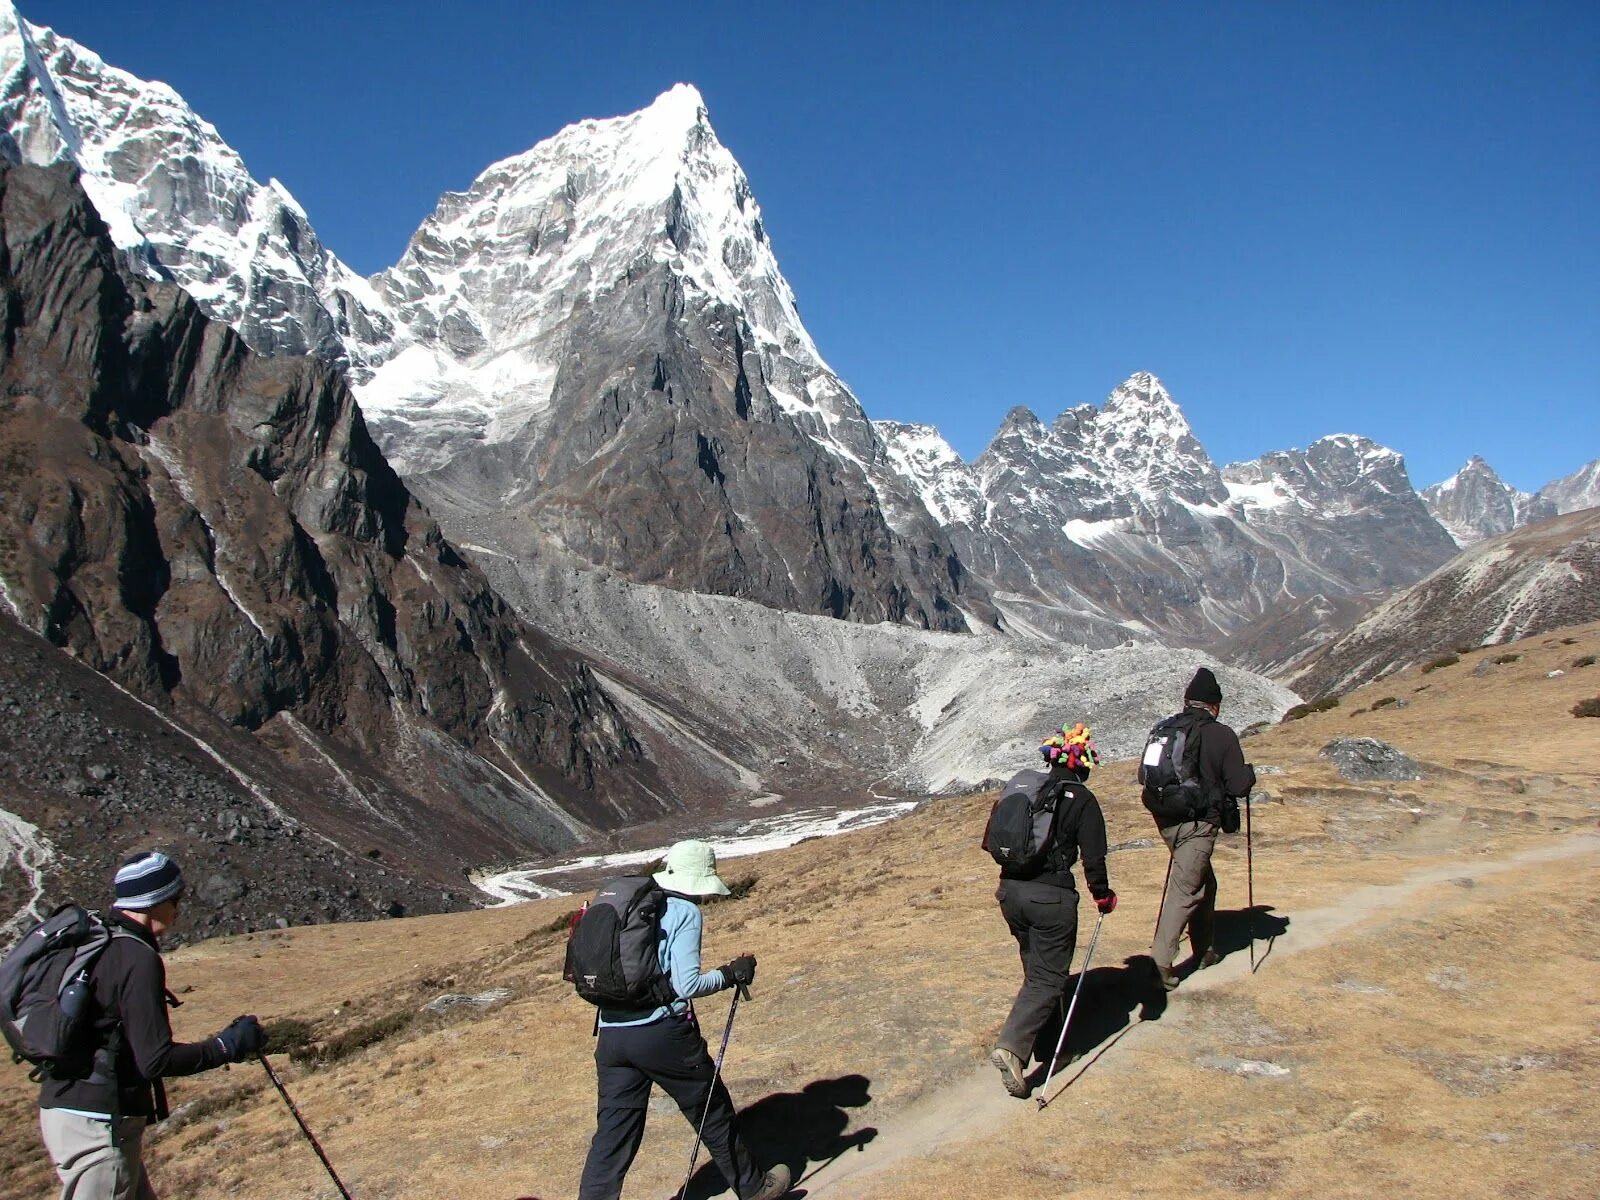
{"x":1203,"y":687}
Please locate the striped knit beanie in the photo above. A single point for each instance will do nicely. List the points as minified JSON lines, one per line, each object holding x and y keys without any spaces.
{"x":147,"y":880}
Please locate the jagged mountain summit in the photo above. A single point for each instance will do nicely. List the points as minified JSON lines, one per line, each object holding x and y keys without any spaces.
{"x":1113,"y":522}
{"x":604,"y":358}
{"x":178,"y":200}
{"x":594,"y":341}
{"x":1573,"y":492}
{"x":1475,"y":503}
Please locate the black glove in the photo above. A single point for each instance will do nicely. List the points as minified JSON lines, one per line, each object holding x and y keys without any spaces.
{"x":741,"y":972}
{"x":243,"y":1039}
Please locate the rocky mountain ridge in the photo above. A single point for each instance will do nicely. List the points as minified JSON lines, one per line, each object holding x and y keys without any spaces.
{"x":1528,"y":581}
{"x":1113,"y":522}
{"x":216,"y":533}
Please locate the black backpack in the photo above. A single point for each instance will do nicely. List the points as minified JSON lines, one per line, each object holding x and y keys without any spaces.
{"x":613,"y":951}
{"x":1021,"y":831}
{"x":45,"y":994}
{"x":1169,"y":769}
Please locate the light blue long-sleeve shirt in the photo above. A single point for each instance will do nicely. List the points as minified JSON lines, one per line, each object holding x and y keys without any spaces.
{"x":681,"y":926}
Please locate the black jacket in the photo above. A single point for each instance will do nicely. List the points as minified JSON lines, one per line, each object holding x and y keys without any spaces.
{"x":130,"y":995}
{"x":1223,"y":770}
{"x":1080,"y":828}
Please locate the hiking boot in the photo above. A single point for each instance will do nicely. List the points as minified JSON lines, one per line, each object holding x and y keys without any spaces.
{"x":1167,"y":977}
{"x":1209,"y":959}
{"x":1013,"y":1071}
{"x":775,"y":1184}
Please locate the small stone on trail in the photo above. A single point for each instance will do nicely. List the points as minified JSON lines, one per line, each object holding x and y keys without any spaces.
{"x":1243,"y":1066}
{"x":1365,"y":989}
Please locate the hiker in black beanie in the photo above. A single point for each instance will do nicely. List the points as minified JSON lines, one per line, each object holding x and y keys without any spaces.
{"x":1225,"y":778}
{"x":93,"y":1120}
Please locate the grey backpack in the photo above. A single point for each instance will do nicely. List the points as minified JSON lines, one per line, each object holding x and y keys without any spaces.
{"x":45,"y":994}
{"x":613,"y":951}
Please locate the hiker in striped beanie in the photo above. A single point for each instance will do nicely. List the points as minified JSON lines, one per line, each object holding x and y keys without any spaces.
{"x":93,"y":1118}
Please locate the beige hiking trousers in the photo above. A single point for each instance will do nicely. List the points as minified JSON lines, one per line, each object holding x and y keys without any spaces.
{"x":90,"y":1167}
{"x":1191,"y":901}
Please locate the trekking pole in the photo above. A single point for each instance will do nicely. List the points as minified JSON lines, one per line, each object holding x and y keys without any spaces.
{"x":741,"y":992}
{"x":1250,"y":883}
{"x":299,"y":1120}
{"x":1083,"y":972}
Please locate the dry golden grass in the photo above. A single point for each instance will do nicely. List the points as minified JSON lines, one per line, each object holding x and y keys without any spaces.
{"x":1432,"y":1000}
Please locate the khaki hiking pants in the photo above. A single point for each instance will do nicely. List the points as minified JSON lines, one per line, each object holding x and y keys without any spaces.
{"x":1191,"y":901}
{"x":90,"y":1167}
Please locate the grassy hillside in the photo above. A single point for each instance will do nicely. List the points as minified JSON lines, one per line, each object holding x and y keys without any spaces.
{"x":1423,"y":1024}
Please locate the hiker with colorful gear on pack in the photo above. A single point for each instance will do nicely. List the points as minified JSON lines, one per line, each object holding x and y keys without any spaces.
{"x":1038,"y":898}
{"x":1224,"y":779}
{"x":93,"y":1120}
{"x":663,"y":1046}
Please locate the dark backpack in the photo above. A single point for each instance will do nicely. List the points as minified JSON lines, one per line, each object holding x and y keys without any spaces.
{"x":1021,"y":831}
{"x":45,"y":994}
{"x":1169,"y":769}
{"x":613,"y":951}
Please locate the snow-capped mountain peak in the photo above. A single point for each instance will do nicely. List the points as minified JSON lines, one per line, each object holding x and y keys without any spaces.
{"x":1475,"y":503}
{"x":490,"y":284}
{"x":177,"y":198}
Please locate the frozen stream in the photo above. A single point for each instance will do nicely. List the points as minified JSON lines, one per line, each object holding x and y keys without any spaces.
{"x":21,"y":841}
{"x":752,"y":837}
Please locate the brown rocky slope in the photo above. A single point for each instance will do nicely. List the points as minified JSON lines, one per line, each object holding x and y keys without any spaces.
{"x":218,"y":535}
{"x":1421,"y":1023}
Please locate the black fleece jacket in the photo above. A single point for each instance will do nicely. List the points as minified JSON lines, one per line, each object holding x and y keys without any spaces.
{"x":1223,"y":770}
{"x":130,"y":991}
{"x":1080,"y":829}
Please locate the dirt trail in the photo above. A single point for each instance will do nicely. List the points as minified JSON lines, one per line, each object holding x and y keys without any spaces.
{"x":975,"y":1107}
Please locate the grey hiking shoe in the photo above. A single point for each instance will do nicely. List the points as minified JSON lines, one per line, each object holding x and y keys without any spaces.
{"x":774,"y":1185}
{"x":1013,"y":1071}
{"x":1209,"y":959}
{"x":1167,"y":977}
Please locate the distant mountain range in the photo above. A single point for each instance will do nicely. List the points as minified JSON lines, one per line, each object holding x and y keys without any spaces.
{"x":592,"y":350}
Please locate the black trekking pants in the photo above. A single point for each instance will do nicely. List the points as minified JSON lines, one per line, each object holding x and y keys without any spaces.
{"x":1044,"y":919}
{"x":669,"y":1052}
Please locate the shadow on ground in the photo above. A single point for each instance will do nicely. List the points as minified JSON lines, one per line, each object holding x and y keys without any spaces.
{"x":804,"y":1130}
{"x":1115,"y":998}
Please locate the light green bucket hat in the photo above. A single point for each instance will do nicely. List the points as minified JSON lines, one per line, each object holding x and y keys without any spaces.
{"x":691,"y":870}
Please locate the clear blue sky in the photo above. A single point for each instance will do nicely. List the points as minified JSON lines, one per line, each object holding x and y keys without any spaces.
{"x":1375,"y":218}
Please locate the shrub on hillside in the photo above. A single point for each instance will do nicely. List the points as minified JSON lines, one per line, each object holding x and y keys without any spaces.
{"x":1383,"y":702}
{"x":1502,"y":659}
{"x":1316,"y":706}
{"x":288,"y":1035}
{"x":352,"y":1040}
{"x":1586,"y":661}
{"x":1444,"y":660}
{"x":1587,"y":708}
